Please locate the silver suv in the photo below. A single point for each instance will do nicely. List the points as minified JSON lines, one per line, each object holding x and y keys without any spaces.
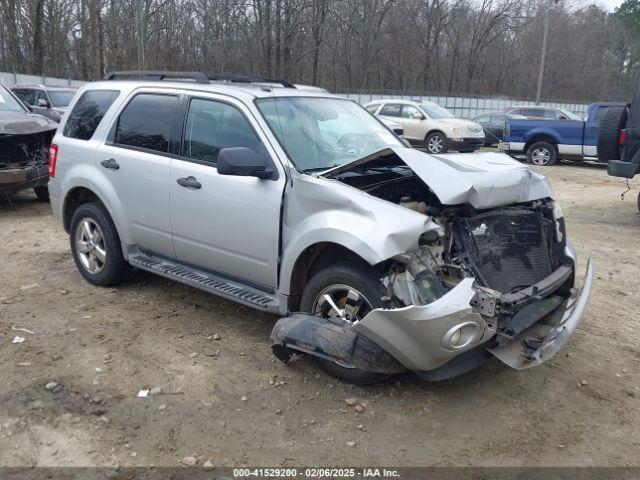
{"x":294,"y":200}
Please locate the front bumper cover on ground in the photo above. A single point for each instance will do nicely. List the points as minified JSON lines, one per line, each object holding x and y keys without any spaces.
{"x":414,"y":337}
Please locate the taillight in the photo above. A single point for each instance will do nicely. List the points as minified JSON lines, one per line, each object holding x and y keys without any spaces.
{"x":53,"y":158}
{"x":506,"y":130}
{"x":623,"y":136}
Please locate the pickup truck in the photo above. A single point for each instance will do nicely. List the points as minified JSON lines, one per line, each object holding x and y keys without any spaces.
{"x":545,"y":141}
{"x":619,"y":140}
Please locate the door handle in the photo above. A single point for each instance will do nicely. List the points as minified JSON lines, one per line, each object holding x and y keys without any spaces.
{"x":189,"y":182}
{"x":110,"y":164}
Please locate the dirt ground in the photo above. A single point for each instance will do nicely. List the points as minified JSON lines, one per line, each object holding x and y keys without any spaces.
{"x":230,"y":400}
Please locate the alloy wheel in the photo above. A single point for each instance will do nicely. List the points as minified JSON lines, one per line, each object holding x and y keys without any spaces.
{"x":90,"y":246}
{"x":435,"y":144}
{"x":541,"y":156}
{"x":341,"y":302}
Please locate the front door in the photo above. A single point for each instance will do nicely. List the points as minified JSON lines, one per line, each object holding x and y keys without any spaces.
{"x":413,"y":122}
{"x":226,"y":224}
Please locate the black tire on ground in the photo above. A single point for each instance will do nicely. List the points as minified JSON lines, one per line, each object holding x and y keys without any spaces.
{"x":436,"y":137}
{"x":542,"y":153}
{"x":42,"y":193}
{"x":366,"y":280}
{"x":114,"y":265}
{"x":609,"y":128}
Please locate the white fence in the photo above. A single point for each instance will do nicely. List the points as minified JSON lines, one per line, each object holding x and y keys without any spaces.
{"x":10,"y":79}
{"x":467,"y":107}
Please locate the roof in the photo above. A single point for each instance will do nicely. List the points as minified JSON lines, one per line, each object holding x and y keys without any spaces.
{"x":403,"y":102}
{"x":45,"y":87}
{"x":246,"y":91}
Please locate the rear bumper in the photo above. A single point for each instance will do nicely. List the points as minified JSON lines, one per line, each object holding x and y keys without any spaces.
{"x":22,"y":178}
{"x":618,"y":168}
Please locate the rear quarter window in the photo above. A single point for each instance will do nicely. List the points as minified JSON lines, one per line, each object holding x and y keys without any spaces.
{"x":88,"y":112}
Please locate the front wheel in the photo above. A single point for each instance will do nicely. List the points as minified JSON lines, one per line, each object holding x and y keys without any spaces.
{"x":542,"y":153}
{"x":436,"y":142}
{"x":95,"y":245}
{"x":349,"y":291}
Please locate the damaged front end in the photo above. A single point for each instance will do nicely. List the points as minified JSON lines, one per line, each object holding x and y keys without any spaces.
{"x":482,"y":281}
{"x":24,"y":157}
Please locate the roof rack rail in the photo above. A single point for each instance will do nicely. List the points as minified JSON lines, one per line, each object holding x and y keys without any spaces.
{"x":156,"y":75}
{"x":232,"y":77}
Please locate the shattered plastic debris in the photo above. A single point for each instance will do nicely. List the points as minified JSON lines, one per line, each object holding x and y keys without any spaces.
{"x":29,"y":287}
{"x":18,"y":339}
{"x":144,"y":393}
{"x":21,"y":329}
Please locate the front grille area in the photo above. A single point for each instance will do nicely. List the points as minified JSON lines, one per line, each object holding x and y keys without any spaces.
{"x":510,"y":249}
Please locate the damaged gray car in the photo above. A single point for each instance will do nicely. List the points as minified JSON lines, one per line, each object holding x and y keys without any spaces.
{"x":289,"y":200}
{"x":24,"y":147}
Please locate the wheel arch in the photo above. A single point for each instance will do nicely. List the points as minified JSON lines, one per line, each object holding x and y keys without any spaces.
{"x":541,"y":137}
{"x":435,"y":130}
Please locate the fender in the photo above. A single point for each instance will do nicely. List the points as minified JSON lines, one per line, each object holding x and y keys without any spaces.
{"x":321,"y":210}
{"x":542,"y":132}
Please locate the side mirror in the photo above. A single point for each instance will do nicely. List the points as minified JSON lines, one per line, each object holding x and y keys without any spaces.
{"x":42,"y":103}
{"x":244,"y":162}
{"x":417,"y":116}
{"x":562,"y":117}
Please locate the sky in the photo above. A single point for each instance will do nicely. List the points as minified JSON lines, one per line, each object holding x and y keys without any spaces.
{"x":609,"y":5}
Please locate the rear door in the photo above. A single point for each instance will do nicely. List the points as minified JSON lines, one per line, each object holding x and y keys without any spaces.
{"x":136,"y":160}
{"x":226,"y":224}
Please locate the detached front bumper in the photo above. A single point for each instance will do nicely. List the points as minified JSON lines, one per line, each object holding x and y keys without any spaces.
{"x":543,"y":340}
{"x":22,"y":178}
{"x":423,"y":338}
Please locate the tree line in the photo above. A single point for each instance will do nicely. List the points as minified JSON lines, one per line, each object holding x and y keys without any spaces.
{"x":470,"y":47}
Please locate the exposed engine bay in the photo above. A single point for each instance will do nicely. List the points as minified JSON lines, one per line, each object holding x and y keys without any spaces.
{"x":504,"y":249}
{"x":26,"y":149}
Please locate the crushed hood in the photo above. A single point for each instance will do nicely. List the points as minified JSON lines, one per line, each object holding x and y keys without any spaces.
{"x":484,"y":180}
{"x":22,"y":123}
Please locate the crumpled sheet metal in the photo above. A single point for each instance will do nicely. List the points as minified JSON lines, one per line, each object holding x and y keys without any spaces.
{"x":550,"y":334}
{"x":20,"y":123}
{"x":484,"y":180}
{"x":413,"y":334}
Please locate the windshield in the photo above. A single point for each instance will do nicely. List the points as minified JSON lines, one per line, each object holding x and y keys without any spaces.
{"x":61,"y":98}
{"x":569,"y":115}
{"x":321,"y":133}
{"x":8,"y":102}
{"x":433,"y":110}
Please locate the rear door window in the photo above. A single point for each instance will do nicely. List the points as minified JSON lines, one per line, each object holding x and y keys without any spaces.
{"x":212,"y":126}
{"x":391,"y":110}
{"x":146,"y":122}
{"x":88,"y":112}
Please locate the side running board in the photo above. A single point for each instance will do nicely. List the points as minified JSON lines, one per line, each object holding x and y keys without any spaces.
{"x":206,"y":281}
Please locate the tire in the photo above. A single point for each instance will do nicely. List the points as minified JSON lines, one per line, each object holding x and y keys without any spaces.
{"x":611,"y":124}
{"x":433,"y":139}
{"x":366,"y":281}
{"x":108,"y":270}
{"x":536,"y":155}
{"x":42,"y":193}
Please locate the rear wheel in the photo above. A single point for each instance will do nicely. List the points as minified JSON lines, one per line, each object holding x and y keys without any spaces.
{"x":95,"y":245}
{"x":542,"y":153}
{"x":609,"y":129}
{"x":349,"y":291}
{"x":436,"y":142}
{"x":42,"y":193}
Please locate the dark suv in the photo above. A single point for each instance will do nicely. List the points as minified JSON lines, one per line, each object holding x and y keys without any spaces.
{"x":46,"y":100}
{"x":619,"y":139}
